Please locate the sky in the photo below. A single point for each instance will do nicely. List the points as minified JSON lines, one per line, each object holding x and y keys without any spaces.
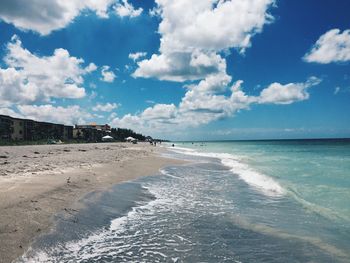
{"x":180,"y":70}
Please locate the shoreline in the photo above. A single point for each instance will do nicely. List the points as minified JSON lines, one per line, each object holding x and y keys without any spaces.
{"x":37,"y":182}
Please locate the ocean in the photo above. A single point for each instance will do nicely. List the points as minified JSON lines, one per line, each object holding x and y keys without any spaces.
{"x":233,"y":201}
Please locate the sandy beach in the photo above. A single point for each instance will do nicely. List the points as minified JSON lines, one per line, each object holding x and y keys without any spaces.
{"x":37,"y":182}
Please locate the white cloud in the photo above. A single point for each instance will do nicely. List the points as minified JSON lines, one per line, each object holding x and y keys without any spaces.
{"x":125,"y":9}
{"x":194,"y":37}
{"x":213,"y":83}
{"x":107,"y":75}
{"x":333,"y":46}
{"x":91,"y":68}
{"x":44,"y":16}
{"x":211,"y":25}
{"x":206,"y":102}
{"x":100,"y":7}
{"x":180,"y":66}
{"x":286,"y":94}
{"x":200,"y":105}
{"x":108,"y":107}
{"x":155,"y":11}
{"x":129,"y":121}
{"x":136,"y":56}
{"x":64,"y":115}
{"x":159,"y":111}
{"x":32,"y":78}
{"x":191,"y":28}
{"x":153,"y":118}
{"x":112,"y":116}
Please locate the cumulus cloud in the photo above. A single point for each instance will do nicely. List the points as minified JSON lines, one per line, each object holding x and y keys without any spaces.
{"x":44,"y":16}
{"x":206,"y":102}
{"x":108,"y":107}
{"x":65,"y":115}
{"x":112,"y":116}
{"x":333,"y":46}
{"x":197,"y":107}
{"x":180,"y":66}
{"x":195,"y":36}
{"x":192,"y":32}
{"x":159,"y":111}
{"x":125,"y":9}
{"x":153,"y":118}
{"x":155,"y":12}
{"x":91,"y":68}
{"x":130,"y":121}
{"x":107,"y":75}
{"x":32,"y":78}
{"x":286,"y":94}
{"x":100,"y":7}
{"x":211,"y":25}
{"x":137,"y":55}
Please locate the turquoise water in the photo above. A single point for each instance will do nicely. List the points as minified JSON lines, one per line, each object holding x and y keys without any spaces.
{"x":315,"y":172}
{"x":243,"y":202}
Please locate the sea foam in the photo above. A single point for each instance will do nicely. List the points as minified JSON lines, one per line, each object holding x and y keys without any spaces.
{"x":263,"y":183}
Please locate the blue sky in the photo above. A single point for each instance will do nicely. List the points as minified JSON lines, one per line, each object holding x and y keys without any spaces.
{"x":182,"y":69}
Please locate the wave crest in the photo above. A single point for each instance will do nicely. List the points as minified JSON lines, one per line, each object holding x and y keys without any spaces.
{"x":263,"y":183}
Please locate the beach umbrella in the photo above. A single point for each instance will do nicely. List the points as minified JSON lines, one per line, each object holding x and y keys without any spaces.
{"x":107,"y":138}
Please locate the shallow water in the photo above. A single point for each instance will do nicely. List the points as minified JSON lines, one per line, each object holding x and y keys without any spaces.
{"x":226,"y":206}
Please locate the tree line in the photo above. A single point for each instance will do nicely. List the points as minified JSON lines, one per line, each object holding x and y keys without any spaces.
{"x":121,"y":134}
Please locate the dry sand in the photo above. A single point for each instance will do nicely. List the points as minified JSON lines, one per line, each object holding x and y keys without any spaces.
{"x":37,"y":182}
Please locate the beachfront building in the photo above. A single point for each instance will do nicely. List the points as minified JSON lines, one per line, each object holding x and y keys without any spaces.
{"x":91,"y":132}
{"x":68,"y":132}
{"x":99,"y":127}
{"x":5,"y":127}
{"x":17,"y":129}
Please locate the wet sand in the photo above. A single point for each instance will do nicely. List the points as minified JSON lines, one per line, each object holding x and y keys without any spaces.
{"x":37,"y":182}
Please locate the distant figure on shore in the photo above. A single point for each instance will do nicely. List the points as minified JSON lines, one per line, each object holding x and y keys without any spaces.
{"x":173,"y":145}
